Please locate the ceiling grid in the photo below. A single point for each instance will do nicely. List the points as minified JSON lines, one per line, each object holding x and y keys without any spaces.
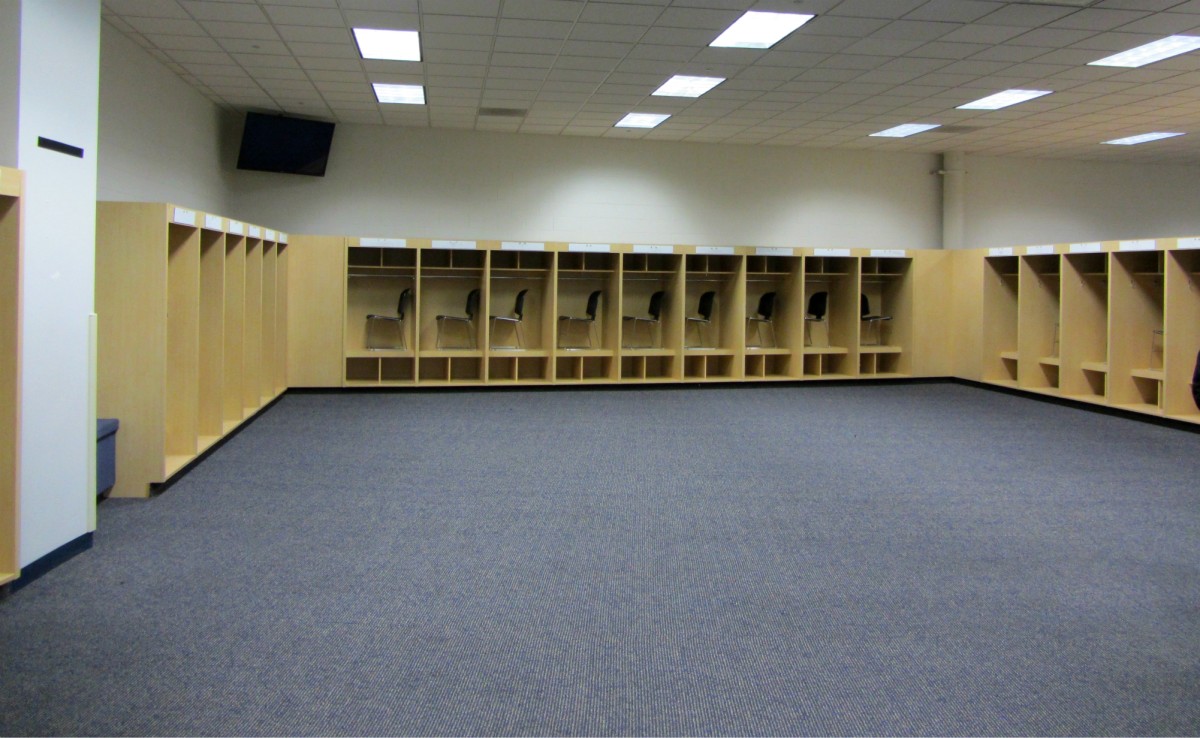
{"x":575,"y":67}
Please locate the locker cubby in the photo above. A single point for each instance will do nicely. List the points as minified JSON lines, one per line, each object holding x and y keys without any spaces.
{"x":831,"y":342}
{"x":583,"y":368}
{"x":723,"y":333}
{"x":647,"y":368}
{"x":1181,"y":332}
{"x":1083,"y":371}
{"x":638,"y":284}
{"x":886,"y":287}
{"x":719,"y":366}
{"x":1001,"y":290}
{"x":769,"y":365}
{"x":1137,"y":338}
{"x":579,"y":275}
{"x":1039,"y":317}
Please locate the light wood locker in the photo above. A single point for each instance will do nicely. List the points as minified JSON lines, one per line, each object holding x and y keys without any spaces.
{"x":773,"y":350}
{"x":179,"y":295}
{"x":583,"y":351}
{"x":11,"y":191}
{"x":651,"y":352}
{"x":1039,"y":335}
{"x":316,"y":286}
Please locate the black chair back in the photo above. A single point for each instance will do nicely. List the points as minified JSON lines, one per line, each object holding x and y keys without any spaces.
{"x":472,"y":303}
{"x":656,"y":301}
{"x":705,"y":309}
{"x":818,"y":303}
{"x":865,"y":305}
{"x":593,"y":304}
{"x":766,"y":305}
{"x":519,"y":306}
{"x":402,"y":303}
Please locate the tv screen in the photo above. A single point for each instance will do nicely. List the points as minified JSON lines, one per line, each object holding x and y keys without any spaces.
{"x":276,"y":143}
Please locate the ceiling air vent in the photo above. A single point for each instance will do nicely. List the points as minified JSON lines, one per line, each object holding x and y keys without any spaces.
{"x":503,"y":112}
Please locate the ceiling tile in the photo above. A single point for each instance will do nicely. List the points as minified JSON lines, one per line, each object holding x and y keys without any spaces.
{"x":298,"y":16}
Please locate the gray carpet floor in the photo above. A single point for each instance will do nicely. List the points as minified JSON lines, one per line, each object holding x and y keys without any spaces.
{"x":835,"y":560}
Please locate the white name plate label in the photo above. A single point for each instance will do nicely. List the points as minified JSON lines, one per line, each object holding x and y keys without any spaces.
{"x":283,"y":238}
{"x":590,"y":248}
{"x":831,"y":252}
{"x":255,"y":232}
{"x":1092,"y":247}
{"x":1143,"y":245}
{"x":652,"y":249}
{"x":1038,"y":250}
{"x":214,"y":222}
{"x":715,"y":250}
{"x":384,"y":243}
{"x":1188,"y":243}
{"x":454,"y":244}
{"x":237,"y":228}
{"x":270,"y":235}
{"x":184,"y":217}
{"x":774,"y":251}
{"x":522,"y":246}
{"x":889,"y":253}
{"x":1000,"y":251}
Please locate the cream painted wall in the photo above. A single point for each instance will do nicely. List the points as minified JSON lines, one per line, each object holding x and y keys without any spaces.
{"x":160,"y":140}
{"x":455,"y":184}
{"x":1013,"y":202}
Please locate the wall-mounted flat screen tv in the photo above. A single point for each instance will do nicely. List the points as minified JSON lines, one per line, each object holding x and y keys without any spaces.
{"x":277,"y":143}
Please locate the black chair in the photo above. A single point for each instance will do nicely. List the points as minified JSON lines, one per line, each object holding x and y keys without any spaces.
{"x":515,"y":320}
{"x":588,"y":320}
{"x":468,"y":320}
{"x":703,"y":320}
{"x":872,"y":321}
{"x":766,"y":309}
{"x":376,"y":324}
{"x":818,"y":305}
{"x":655,"y":313}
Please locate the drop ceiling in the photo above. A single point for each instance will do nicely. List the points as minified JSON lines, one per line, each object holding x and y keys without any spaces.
{"x":575,"y":67}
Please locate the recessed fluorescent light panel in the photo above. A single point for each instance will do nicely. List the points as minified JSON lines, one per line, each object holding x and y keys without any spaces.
{"x":759,"y":30}
{"x":375,"y":43}
{"x":1003,"y":99}
{"x":908,"y":129}
{"x":1131,"y":140}
{"x":641,"y":120}
{"x":1140,"y":56}
{"x":402,"y":94}
{"x":683,"y":86}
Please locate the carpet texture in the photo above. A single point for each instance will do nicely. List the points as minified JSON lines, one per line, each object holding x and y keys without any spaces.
{"x":833,"y":560}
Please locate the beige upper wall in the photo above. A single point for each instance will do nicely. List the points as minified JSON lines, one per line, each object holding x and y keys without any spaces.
{"x":461,"y":184}
{"x":160,"y":140}
{"x":1014,"y":202}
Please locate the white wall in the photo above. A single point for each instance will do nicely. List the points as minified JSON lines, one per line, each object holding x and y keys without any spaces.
{"x":454,"y":184}
{"x":160,"y":140}
{"x":10,"y":65}
{"x":59,"y":83}
{"x":1013,"y":202}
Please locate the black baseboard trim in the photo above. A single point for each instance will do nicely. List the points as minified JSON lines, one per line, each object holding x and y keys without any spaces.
{"x":58,"y":556}
{"x":681,"y":384}
{"x":1115,"y":412}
